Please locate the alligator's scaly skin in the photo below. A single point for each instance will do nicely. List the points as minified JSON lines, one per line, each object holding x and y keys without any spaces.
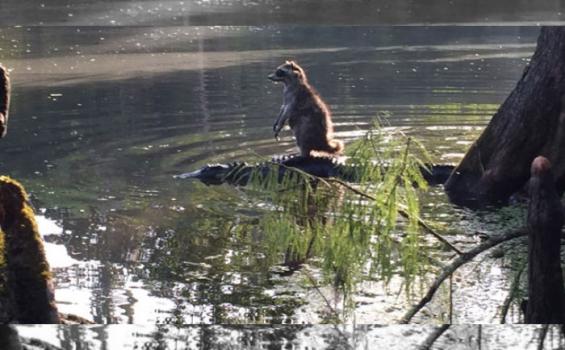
{"x":238,"y":173}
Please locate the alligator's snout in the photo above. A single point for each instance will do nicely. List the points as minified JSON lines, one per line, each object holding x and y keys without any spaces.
{"x":192,"y":175}
{"x":210,"y":174}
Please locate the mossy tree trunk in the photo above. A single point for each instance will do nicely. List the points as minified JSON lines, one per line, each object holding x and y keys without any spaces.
{"x":529,"y":123}
{"x":30,"y":287}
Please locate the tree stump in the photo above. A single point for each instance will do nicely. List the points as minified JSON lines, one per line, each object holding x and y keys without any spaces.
{"x":529,"y":123}
{"x":29,"y":284}
{"x":546,"y":293}
{"x":9,"y":338}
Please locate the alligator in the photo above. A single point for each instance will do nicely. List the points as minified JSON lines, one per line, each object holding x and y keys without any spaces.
{"x":239,"y":173}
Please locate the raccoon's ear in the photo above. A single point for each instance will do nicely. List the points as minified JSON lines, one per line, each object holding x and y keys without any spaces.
{"x":293,"y":65}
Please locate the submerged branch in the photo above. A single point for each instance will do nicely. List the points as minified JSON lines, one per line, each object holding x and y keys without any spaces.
{"x":34,"y":343}
{"x":431,"y":339}
{"x":315,"y":286}
{"x":431,"y":231}
{"x":458,"y":262}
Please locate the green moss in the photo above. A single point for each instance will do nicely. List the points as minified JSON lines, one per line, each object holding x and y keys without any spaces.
{"x":28,"y":276}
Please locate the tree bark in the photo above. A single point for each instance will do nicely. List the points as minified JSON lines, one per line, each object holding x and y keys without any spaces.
{"x":546,"y":294}
{"x":529,"y":123}
{"x":9,"y":338}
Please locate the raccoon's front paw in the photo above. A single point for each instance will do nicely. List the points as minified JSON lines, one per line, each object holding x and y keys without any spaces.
{"x":277,"y":129}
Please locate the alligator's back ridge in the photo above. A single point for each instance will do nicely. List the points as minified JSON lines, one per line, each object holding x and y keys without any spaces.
{"x":239,"y":173}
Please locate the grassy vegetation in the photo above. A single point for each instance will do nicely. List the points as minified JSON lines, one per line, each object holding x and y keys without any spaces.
{"x":348,"y":231}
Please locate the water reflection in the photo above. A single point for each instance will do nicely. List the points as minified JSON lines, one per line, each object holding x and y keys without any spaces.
{"x":101,"y":123}
{"x":290,"y":337}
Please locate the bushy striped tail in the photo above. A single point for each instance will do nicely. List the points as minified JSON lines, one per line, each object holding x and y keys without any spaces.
{"x":337,"y":146}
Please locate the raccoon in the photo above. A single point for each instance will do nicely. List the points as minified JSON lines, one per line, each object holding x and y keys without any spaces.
{"x":307,"y":115}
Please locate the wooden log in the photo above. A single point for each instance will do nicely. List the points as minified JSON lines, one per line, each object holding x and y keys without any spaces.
{"x":546,"y":293}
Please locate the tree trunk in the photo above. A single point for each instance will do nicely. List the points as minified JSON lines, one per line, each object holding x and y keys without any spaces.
{"x":546,"y":294}
{"x":529,"y":123}
{"x":9,"y":338}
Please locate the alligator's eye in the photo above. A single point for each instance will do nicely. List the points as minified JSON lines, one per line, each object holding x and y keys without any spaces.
{"x":279,"y":73}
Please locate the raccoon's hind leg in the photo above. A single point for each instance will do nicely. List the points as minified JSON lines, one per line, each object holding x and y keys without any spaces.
{"x":305,"y":152}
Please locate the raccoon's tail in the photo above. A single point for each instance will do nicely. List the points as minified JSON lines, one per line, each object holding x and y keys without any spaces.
{"x":4,"y":100}
{"x":335,"y":147}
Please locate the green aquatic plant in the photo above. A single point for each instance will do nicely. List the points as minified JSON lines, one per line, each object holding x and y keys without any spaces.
{"x":350,"y":231}
{"x":345,"y":232}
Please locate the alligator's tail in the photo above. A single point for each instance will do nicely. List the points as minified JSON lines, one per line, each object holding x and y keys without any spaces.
{"x":335,"y":147}
{"x":4,"y":100}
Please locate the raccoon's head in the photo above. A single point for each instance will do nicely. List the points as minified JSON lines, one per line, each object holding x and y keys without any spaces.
{"x":288,"y":72}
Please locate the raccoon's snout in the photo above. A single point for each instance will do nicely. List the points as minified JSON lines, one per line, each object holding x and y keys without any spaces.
{"x":278,"y":75}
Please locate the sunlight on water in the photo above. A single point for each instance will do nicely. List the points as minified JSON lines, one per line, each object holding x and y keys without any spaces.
{"x":103,"y":117}
{"x":288,"y":337}
{"x":57,"y":254}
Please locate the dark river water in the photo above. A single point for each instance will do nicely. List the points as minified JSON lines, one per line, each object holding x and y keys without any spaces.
{"x":103,"y":117}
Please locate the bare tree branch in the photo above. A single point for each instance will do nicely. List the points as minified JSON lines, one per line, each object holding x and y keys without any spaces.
{"x":36,"y":343}
{"x":458,"y":262}
{"x":542,"y":335}
{"x":511,"y":295}
{"x":431,"y":339}
{"x":315,"y":286}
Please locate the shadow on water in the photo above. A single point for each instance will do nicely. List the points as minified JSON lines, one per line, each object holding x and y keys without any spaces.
{"x":103,"y":117}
